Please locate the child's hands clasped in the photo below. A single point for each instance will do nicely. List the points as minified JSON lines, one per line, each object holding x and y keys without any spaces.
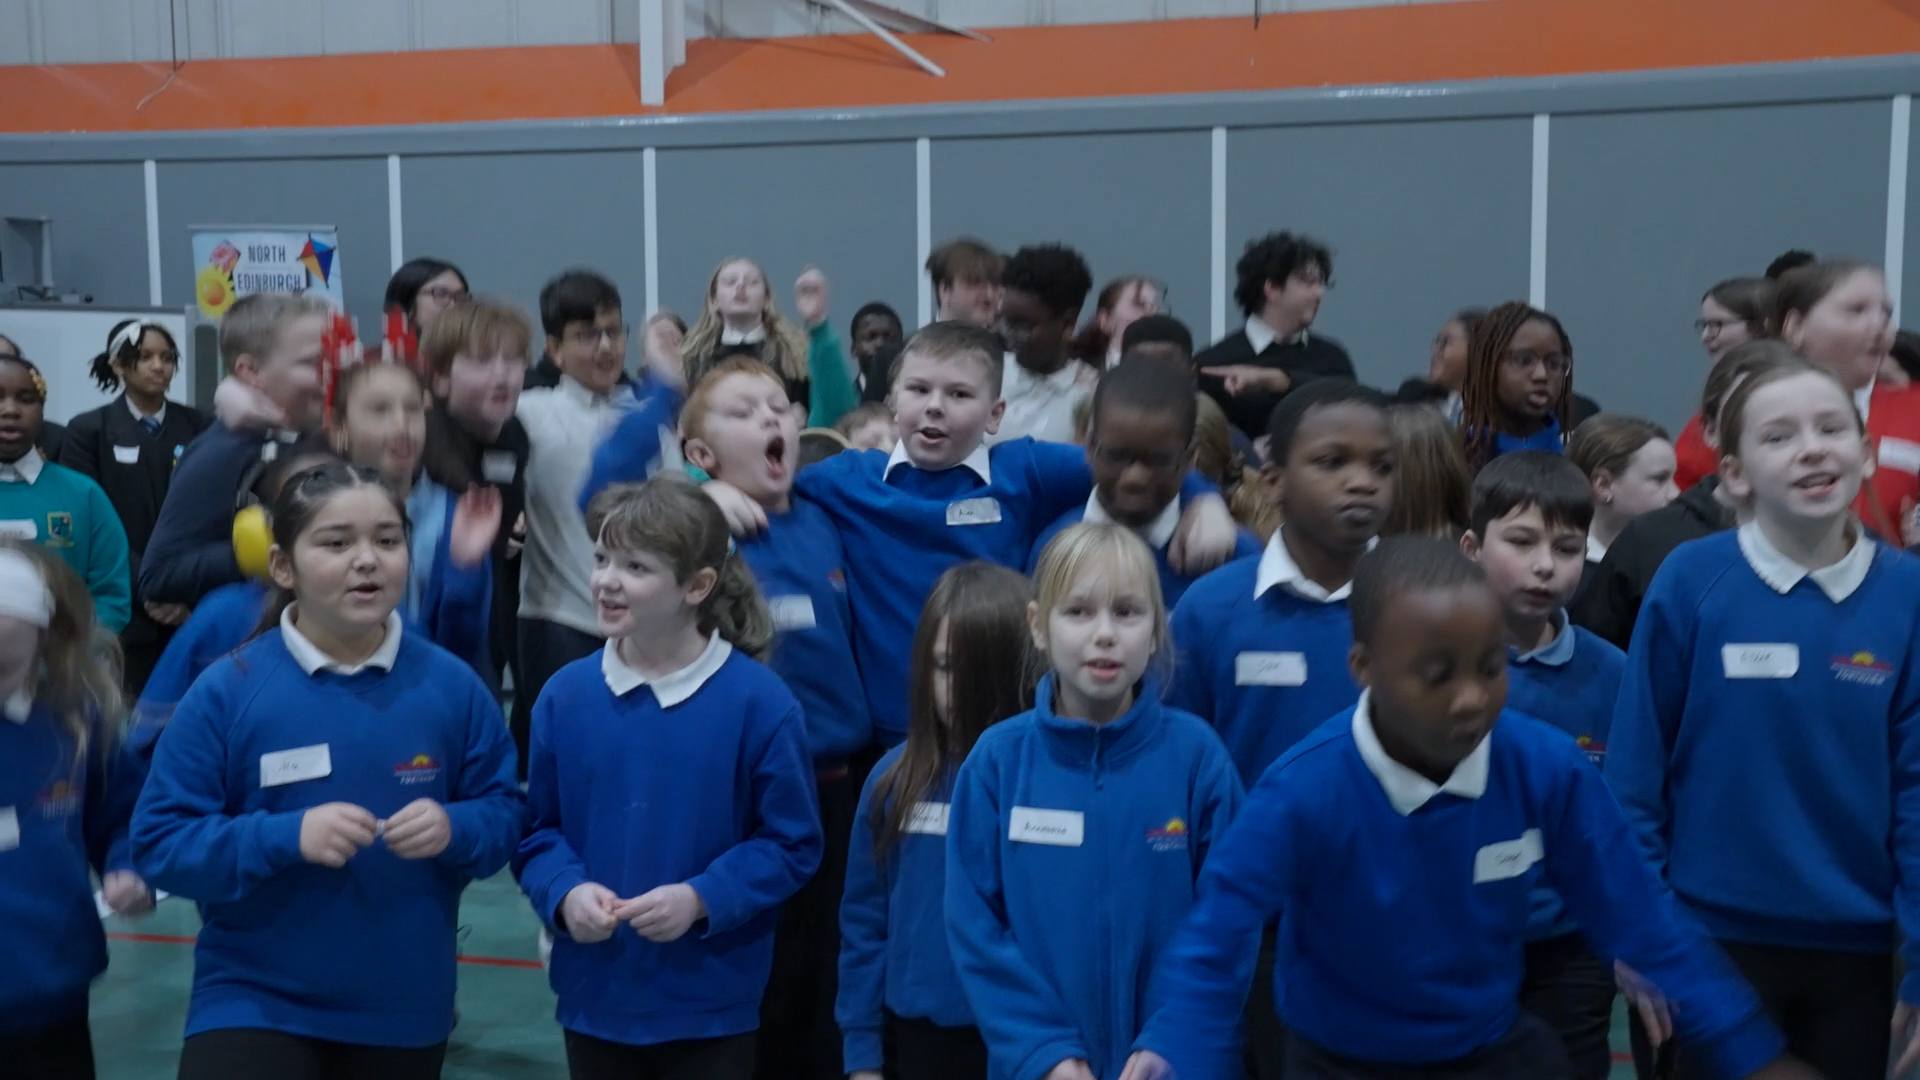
{"x":663,"y":914}
{"x":421,"y":830}
{"x":332,"y":833}
{"x":588,"y":912}
{"x":126,"y":893}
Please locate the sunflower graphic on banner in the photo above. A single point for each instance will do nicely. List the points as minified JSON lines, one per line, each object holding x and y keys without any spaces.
{"x":230,"y":263}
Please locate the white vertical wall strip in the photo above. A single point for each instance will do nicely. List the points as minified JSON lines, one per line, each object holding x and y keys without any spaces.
{"x":653,"y":52}
{"x":1537,"y":262}
{"x":396,"y":245}
{"x":1219,"y":233}
{"x":923,"y":223}
{"x":650,"y":222}
{"x":153,"y":231}
{"x":1896,"y":257}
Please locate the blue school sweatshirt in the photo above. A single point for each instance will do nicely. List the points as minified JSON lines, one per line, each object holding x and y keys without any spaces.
{"x":1572,"y":683}
{"x":363,"y":954}
{"x":1402,"y":936}
{"x":1767,"y":747}
{"x":1074,"y":850}
{"x":801,"y":571}
{"x":1548,"y":439}
{"x":1263,"y":670}
{"x":893,"y":930}
{"x":219,"y":624}
{"x":59,"y":821}
{"x":902,"y":527}
{"x":630,"y":452}
{"x":1173,"y":584}
{"x":701,"y":777}
{"x":190,"y":553}
{"x":452,"y":605}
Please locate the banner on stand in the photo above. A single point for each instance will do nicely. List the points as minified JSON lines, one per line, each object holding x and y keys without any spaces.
{"x":232,"y":262}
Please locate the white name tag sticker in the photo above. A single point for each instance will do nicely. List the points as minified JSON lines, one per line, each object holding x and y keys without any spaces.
{"x":1508,"y":858}
{"x":792,"y":612}
{"x":1270,"y":669}
{"x":497,"y":466}
{"x":1760,"y":660}
{"x":1899,"y":454}
{"x":18,"y":529}
{"x":974,"y":512}
{"x":928,"y":819}
{"x":292,"y":766}
{"x":9,"y":829}
{"x":126,"y":455}
{"x":1055,"y":828}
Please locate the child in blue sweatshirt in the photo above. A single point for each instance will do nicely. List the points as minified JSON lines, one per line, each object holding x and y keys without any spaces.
{"x":1079,"y":829}
{"x":1398,"y":846}
{"x":942,"y":498}
{"x":1261,"y":644}
{"x":1139,"y":446}
{"x":740,"y":427}
{"x":65,"y":799}
{"x":1767,"y":743}
{"x":898,"y":988}
{"x":1528,"y":530}
{"x":672,"y":797}
{"x":325,"y":794}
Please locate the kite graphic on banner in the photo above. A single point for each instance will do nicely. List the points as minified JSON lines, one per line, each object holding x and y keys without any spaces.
{"x":232,"y":263}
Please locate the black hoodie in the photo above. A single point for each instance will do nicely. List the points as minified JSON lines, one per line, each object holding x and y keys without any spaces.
{"x":1609,"y":604}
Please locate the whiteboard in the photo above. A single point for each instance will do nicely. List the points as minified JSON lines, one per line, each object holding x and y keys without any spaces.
{"x":63,"y":339}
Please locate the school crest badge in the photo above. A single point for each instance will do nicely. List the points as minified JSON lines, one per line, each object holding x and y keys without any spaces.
{"x":59,"y":529}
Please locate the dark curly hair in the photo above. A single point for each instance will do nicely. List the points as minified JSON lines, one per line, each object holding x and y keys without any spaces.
{"x":1276,"y":257}
{"x":1054,"y":273}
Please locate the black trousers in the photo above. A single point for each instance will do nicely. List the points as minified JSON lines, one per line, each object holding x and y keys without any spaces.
{"x":545,"y":647}
{"x":1264,"y":1051}
{"x":799,"y":1039}
{"x":249,"y":1053}
{"x":1833,"y":1007}
{"x":62,"y":1051}
{"x":922,"y":1050}
{"x":729,"y":1057}
{"x":1571,"y":988}
{"x":1530,"y":1051}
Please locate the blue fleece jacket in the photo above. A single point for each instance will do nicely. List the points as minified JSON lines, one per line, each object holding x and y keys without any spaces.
{"x":1265,"y":670}
{"x":715,"y":790}
{"x":190,"y":553}
{"x":1432,"y":906}
{"x":1173,"y":583}
{"x":630,"y":453}
{"x":893,"y":930}
{"x":902,"y":528}
{"x":1572,"y":682}
{"x":362,"y":954}
{"x":1767,"y":748}
{"x":1074,"y":851}
{"x":59,"y":820}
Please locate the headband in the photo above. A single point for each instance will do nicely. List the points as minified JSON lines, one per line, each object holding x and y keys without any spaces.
{"x":23,"y":590}
{"x":128,"y":337}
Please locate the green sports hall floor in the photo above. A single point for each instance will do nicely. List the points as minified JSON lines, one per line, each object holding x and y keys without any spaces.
{"x":506,"y":1027}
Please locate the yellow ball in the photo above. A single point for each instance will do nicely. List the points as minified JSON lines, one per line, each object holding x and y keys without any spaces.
{"x":251,"y":541}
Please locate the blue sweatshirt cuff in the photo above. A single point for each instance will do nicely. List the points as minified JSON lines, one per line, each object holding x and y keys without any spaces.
{"x":1745,"y":1049}
{"x":1041,"y":1060}
{"x":280,"y":839}
{"x":557,"y":891}
{"x":120,"y":854}
{"x":861,"y":1049}
{"x":722,"y":913}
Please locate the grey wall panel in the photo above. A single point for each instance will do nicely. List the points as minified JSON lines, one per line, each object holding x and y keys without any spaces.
{"x":1135,"y":203}
{"x":99,"y":217}
{"x":511,"y":221}
{"x":1423,"y":218}
{"x":347,"y":193}
{"x":848,"y":208}
{"x":1646,"y":210}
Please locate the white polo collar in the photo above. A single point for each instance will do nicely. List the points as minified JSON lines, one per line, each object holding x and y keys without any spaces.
{"x":754,"y":336}
{"x":18,"y":706}
{"x":1158,"y":533}
{"x":159,"y":415}
{"x":1260,"y":335}
{"x":1278,"y":568}
{"x":980,"y":461}
{"x":312,"y":660}
{"x":1781,"y":573}
{"x":27,"y":469}
{"x":672,"y":688}
{"x":1407,"y":790}
{"x":1595,"y":549}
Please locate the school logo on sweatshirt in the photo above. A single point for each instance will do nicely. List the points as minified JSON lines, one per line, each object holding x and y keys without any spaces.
{"x":60,"y":799}
{"x":59,"y":529}
{"x":1169,"y":837}
{"x":1596,"y":750}
{"x":838,"y":579}
{"x":419,"y":769}
{"x":1862,"y":667}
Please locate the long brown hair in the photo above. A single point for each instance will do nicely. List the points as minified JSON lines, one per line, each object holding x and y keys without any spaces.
{"x":1480,"y":396}
{"x":667,"y":516}
{"x":79,"y":670}
{"x":985,"y":610}
{"x":784,"y":350}
{"x":1430,"y":494}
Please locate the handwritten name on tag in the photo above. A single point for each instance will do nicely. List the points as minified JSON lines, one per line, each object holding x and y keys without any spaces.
{"x":1760,"y":660}
{"x":974,"y":512}
{"x":1270,"y":669}
{"x":792,"y":612}
{"x":1054,"y":828}
{"x":292,"y":766}
{"x":126,"y":455}
{"x":928,"y":819}
{"x":1508,"y":858}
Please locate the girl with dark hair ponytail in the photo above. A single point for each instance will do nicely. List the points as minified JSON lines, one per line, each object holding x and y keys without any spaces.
{"x":129,"y":446}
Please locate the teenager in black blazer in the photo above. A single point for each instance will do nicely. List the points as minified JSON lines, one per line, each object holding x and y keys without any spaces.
{"x":1280,"y":282}
{"x":129,"y":446}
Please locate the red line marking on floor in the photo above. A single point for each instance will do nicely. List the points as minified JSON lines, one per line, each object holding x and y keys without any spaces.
{"x":183,"y":939}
